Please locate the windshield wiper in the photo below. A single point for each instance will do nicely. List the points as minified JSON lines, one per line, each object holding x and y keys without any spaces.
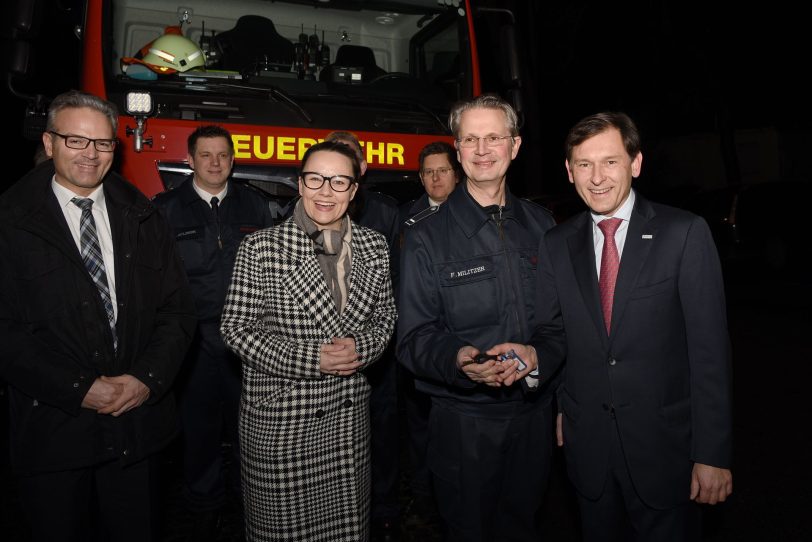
{"x":394,"y":101}
{"x":275,"y":92}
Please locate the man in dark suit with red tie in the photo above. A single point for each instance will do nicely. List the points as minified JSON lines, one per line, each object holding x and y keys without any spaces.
{"x":630,"y":293}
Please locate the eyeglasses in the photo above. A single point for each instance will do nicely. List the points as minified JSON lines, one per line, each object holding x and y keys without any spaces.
{"x":490,"y":141}
{"x":79,"y":142}
{"x":440,"y":171}
{"x":314,"y":181}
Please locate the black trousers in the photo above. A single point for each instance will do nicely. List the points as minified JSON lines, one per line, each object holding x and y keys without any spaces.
{"x":490,"y":474}
{"x":416,"y":407}
{"x":619,"y":515}
{"x":104,"y":502}
{"x":383,"y":413}
{"x":209,"y":401}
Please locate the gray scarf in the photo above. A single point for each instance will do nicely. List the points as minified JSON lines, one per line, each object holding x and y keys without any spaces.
{"x":333,"y":252}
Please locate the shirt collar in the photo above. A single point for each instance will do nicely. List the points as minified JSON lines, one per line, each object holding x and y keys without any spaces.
{"x":65,"y":195}
{"x":205,"y":196}
{"x":624,"y":212}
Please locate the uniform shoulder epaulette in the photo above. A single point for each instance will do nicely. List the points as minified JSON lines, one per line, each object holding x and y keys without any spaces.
{"x":421,"y":215}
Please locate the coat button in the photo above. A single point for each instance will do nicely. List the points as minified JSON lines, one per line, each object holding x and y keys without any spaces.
{"x":348,"y":403}
{"x":96,"y":353}
{"x":319,"y":413}
{"x":75,"y":384}
{"x":612,"y":361}
{"x":126,"y":452}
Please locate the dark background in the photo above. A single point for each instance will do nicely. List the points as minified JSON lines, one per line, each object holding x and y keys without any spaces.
{"x":718,"y":91}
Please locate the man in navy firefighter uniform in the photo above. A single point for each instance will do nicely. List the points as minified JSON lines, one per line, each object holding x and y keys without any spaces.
{"x":95,"y":318}
{"x":209,"y":216}
{"x":467,"y":285}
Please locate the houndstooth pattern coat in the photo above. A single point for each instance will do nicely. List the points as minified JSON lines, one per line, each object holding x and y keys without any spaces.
{"x":304,"y":436}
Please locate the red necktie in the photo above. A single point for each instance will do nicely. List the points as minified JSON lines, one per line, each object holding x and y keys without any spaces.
{"x":610,"y":261}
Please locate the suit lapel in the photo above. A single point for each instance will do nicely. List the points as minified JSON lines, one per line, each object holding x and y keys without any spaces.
{"x":582,"y":254}
{"x":635,"y":253}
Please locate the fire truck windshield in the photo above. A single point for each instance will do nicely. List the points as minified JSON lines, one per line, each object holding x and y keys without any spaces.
{"x":396,"y":65}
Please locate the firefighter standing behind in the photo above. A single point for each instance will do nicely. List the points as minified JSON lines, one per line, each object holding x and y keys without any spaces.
{"x":466,"y":284}
{"x":210,"y":216}
{"x":440,"y":173}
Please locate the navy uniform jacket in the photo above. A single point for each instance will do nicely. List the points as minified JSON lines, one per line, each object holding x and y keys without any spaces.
{"x":468,"y":278}
{"x":208,"y":262}
{"x":378,"y":212}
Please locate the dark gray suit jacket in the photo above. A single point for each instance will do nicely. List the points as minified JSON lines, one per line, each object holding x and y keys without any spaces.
{"x":663,"y":373}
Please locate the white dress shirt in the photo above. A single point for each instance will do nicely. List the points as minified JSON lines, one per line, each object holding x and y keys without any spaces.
{"x":624,"y":213}
{"x":73,"y":215}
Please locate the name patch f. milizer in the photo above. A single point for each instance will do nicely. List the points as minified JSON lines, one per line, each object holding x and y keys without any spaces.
{"x":469,"y":292}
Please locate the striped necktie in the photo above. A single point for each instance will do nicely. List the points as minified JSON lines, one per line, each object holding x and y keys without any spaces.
{"x":92,"y":256}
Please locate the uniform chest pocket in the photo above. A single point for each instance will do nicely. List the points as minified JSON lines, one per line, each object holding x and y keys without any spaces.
{"x":470,"y":293}
{"x":190,"y":241}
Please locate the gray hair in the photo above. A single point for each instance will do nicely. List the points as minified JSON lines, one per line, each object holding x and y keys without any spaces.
{"x":484,"y":101}
{"x":74,"y":99}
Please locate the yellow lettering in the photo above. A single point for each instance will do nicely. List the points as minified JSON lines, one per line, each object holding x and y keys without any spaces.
{"x":241,"y":145}
{"x":263,"y":154}
{"x":285,"y":148}
{"x":304,"y":143}
{"x":375,"y":151}
{"x":394,"y":151}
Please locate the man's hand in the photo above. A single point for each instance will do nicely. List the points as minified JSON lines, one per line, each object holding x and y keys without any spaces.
{"x":102,"y":394}
{"x":510,"y":372}
{"x":488,"y":373}
{"x":559,"y":429}
{"x":709,"y":484}
{"x":133,"y":394}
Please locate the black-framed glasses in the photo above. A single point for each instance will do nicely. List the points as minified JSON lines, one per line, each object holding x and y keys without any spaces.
{"x":314,"y":181}
{"x":79,"y":142}
{"x":440,"y":172}
{"x":490,"y":140}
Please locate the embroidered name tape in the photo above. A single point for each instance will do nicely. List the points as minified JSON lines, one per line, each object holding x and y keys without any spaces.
{"x":471,"y":270}
{"x":183,"y":235}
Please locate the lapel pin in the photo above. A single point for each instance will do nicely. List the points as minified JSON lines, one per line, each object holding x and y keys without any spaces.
{"x":647,"y":236}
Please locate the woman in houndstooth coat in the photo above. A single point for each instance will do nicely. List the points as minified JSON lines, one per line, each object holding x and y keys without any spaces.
{"x":309,"y":307}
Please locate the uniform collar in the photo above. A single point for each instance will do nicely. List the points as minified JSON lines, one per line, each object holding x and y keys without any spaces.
{"x":471,"y":216}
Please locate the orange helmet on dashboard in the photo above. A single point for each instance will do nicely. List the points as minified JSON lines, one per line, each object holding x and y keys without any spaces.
{"x":169,"y":54}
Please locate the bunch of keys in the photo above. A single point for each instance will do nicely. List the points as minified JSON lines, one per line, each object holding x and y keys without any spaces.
{"x":507,"y":356}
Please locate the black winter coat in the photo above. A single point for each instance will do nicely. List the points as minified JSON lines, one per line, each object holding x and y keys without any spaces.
{"x":54,"y":336}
